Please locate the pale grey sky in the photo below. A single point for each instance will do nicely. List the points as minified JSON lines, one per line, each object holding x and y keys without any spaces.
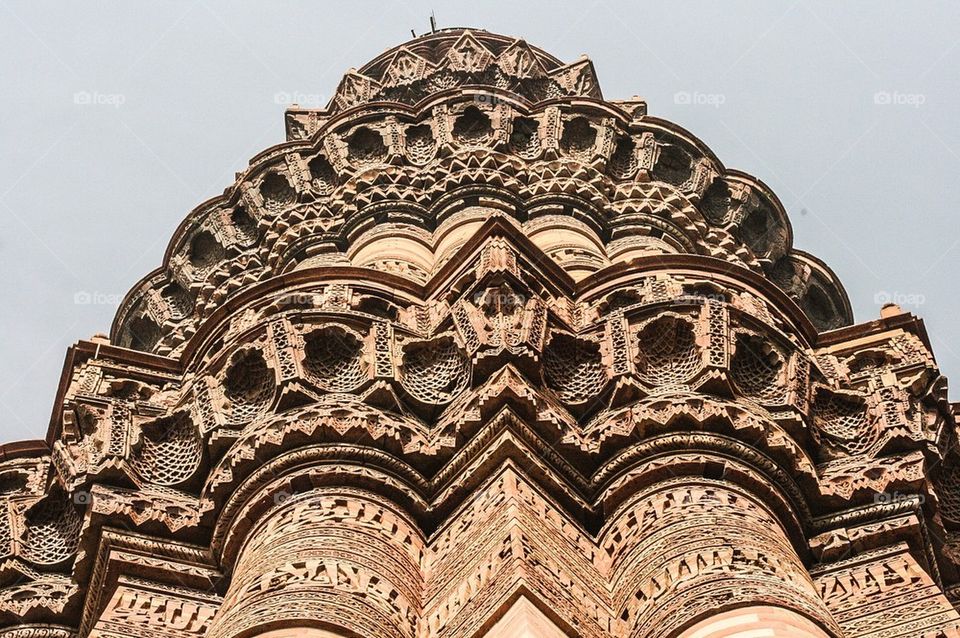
{"x":847,"y":110}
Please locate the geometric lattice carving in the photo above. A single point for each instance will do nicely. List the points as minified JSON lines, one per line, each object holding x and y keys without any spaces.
{"x":52,"y":529}
{"x":324,"y":178}
{"x":524,"y":139}
{"x":243,"y":225}
{"x":248,"y":385}
{"x":170,"y":450}
{"x":948,"y":490}
{"x":841,"y":419}
{"x":578,"y":138}
{"x":667,"y":351}
{"x":366,"y":146}
{"x":277,"y":192}
{"x":6,"y":530}
{"x":573,"y":368}
{"x":623,"y":162}
{"x":472,"y":127}
{"x":205,"y":251}
{"x":755,"y":368}
{"x":435,"y":371}
{"x":420,"y":144}
{"x":333,"y":359}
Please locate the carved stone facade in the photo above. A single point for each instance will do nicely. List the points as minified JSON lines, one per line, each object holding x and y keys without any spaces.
{"x":478,"y":352}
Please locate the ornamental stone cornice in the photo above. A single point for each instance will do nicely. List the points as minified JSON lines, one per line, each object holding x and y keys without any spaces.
{"x":474,"y":333}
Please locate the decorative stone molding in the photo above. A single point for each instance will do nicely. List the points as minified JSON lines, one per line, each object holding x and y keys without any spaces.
{"x":478,"y":352}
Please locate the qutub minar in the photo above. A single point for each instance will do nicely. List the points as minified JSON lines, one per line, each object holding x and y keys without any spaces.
{"x":477,"y":352}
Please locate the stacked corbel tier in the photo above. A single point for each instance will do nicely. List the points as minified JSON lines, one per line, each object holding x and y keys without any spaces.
{"x":476,"y":349}
{"x":431,"y":138}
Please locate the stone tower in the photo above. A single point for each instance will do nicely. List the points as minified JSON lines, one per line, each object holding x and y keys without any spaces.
{"x":477,"y":352}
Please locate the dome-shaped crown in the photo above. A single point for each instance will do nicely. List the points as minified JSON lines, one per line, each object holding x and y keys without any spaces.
{"x":456,"y":126}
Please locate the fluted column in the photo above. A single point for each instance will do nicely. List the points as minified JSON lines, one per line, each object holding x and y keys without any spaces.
{"x":338,"y":561}
{"x":756,"y":620}
{"x":688,"y":548}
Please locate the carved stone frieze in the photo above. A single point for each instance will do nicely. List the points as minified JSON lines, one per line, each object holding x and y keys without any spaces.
{"x":477,"y":348}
